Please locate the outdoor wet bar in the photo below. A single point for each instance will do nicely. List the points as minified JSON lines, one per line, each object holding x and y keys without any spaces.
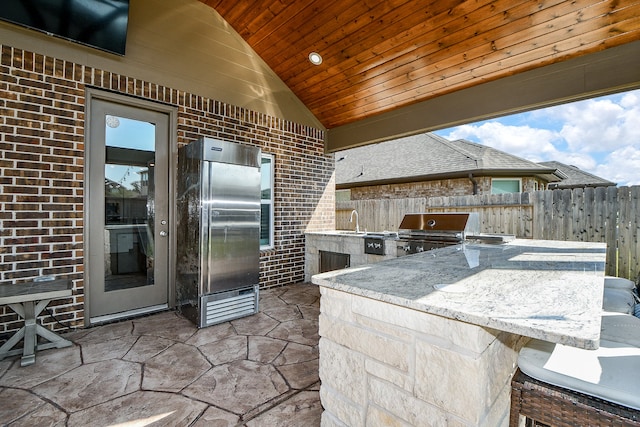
{"x":435,"y":336}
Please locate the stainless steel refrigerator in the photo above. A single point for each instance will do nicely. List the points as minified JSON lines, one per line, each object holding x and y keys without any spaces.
{"x":218,"y":226}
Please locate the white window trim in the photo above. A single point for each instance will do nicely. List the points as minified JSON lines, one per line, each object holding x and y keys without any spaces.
{"x":271,"y":244}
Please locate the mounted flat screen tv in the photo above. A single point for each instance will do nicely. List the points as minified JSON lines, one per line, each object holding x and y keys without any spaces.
{"x":100,"y":24}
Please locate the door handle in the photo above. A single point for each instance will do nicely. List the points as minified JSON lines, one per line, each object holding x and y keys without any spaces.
{"x":163,"y":233}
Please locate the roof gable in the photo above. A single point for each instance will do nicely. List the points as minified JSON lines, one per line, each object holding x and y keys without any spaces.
{"x":576,"y":177}
{"x":428,"y":156}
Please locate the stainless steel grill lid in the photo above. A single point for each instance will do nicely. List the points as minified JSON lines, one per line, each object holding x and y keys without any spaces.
{"x":452,"y":225}
{"x":421,"y":232}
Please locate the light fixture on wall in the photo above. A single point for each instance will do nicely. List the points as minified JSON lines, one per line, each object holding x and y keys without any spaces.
{"x":315,"y":58}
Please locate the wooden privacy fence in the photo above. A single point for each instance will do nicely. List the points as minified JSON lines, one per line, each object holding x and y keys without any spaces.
{"x":603,"y":214}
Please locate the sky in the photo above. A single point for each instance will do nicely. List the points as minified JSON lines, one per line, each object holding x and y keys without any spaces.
{"x":128,"y":133}
{"x":600,"y":135}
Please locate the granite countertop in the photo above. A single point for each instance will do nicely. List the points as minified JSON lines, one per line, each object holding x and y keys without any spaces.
{"x":550,"y":290}
{"x":352,"y":233}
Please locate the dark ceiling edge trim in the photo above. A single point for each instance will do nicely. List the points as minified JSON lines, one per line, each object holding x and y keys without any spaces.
{"x":612,"y":70}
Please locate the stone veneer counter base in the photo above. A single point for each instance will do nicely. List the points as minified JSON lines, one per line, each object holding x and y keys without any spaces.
{"x":433,"y":338}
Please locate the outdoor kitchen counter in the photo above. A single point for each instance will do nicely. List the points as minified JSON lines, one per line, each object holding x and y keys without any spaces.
{"x":433,"y":338}
{"x":550,"y":290}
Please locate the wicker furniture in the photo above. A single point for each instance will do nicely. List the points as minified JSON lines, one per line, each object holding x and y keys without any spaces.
{"x":558,"y":407}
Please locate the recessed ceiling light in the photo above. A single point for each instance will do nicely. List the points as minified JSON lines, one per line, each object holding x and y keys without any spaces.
{"x":315,"y":58}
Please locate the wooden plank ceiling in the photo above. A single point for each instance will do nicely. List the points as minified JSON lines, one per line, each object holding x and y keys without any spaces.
{"x":382,"y":55}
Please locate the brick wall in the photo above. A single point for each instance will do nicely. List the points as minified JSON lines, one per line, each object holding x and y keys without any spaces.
{"x":445,"y":187}
{"x":42,"y":104}
{"x":435,"y":188}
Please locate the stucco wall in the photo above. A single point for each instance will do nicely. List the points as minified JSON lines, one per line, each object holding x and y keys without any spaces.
{"x":184,"y":45}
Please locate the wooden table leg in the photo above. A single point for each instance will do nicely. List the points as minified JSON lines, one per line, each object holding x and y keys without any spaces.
{"x":54,"y":339}
{"x":30,"y":335}
{"x":28,"y":300}
{"x":11,"y":342}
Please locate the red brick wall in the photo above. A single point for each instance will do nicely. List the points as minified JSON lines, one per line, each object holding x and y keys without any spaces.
{"x":42,"y":105}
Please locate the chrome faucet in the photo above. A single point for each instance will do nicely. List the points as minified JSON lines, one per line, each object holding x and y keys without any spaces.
{"x":357,"y":221}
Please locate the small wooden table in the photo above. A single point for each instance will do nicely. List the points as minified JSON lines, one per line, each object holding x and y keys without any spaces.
{"x":28,"y":300}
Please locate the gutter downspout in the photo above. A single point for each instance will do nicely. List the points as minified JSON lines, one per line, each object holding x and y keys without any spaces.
{"x":475,"y":184}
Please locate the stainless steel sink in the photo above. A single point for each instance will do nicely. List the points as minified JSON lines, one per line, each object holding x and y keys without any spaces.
{"x":351,"y":232}
{"x":373,"y":234}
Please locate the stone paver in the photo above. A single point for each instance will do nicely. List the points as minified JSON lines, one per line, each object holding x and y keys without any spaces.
{"x":295,"y":296}
{"x":28,"y":408}
{"x":147,"y":347}
{"x":238,"y":386}
{"x":216,"y":417}
{"x":302,"y":331}
{"x":185,"y":363}
{"x":211,"y":334}
{"x":165,"y":325}
{"x":265,"y":350}
{"x":114,"y":348}
{"x":258,"y":324}
{"x":161,"y":370}
{"x":300,"y":375}
{"x":226,"y":350}
{"x":302,"y":409}
{"x":296,"y":353}
{"x":92,"y":384}
{"x":102,"y":333}
{"x":145,"y":407}
{"x":283,"y":314}
{"x":49,"y":364}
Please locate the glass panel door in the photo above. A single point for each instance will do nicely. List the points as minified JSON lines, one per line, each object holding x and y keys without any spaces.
{"x":128,"y":199}
{"x":128,"y":225}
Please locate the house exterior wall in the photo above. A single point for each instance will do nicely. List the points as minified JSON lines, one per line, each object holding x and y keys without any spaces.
{"x":42,"y":169}
{"x":184,"y":45}
{"x":435,"y":188}
{"x":444,"y":187}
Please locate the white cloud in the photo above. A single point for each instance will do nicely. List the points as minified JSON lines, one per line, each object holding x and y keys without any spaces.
{"x":599,"y":125}
{"x":622,"y":166}
{"x":600,"y":136}
{"x":631,"y":100}
{"x":523,"y":141}
{"x":581,"y":161}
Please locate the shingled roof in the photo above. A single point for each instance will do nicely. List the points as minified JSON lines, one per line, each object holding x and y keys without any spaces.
{"x":428,"y":157}
{"x":576,"y":178}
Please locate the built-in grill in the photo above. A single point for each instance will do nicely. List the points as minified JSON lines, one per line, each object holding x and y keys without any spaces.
{"x":419,"y":232}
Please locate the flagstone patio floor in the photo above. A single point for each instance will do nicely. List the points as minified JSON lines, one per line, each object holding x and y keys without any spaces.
{"x":161,"y":370}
